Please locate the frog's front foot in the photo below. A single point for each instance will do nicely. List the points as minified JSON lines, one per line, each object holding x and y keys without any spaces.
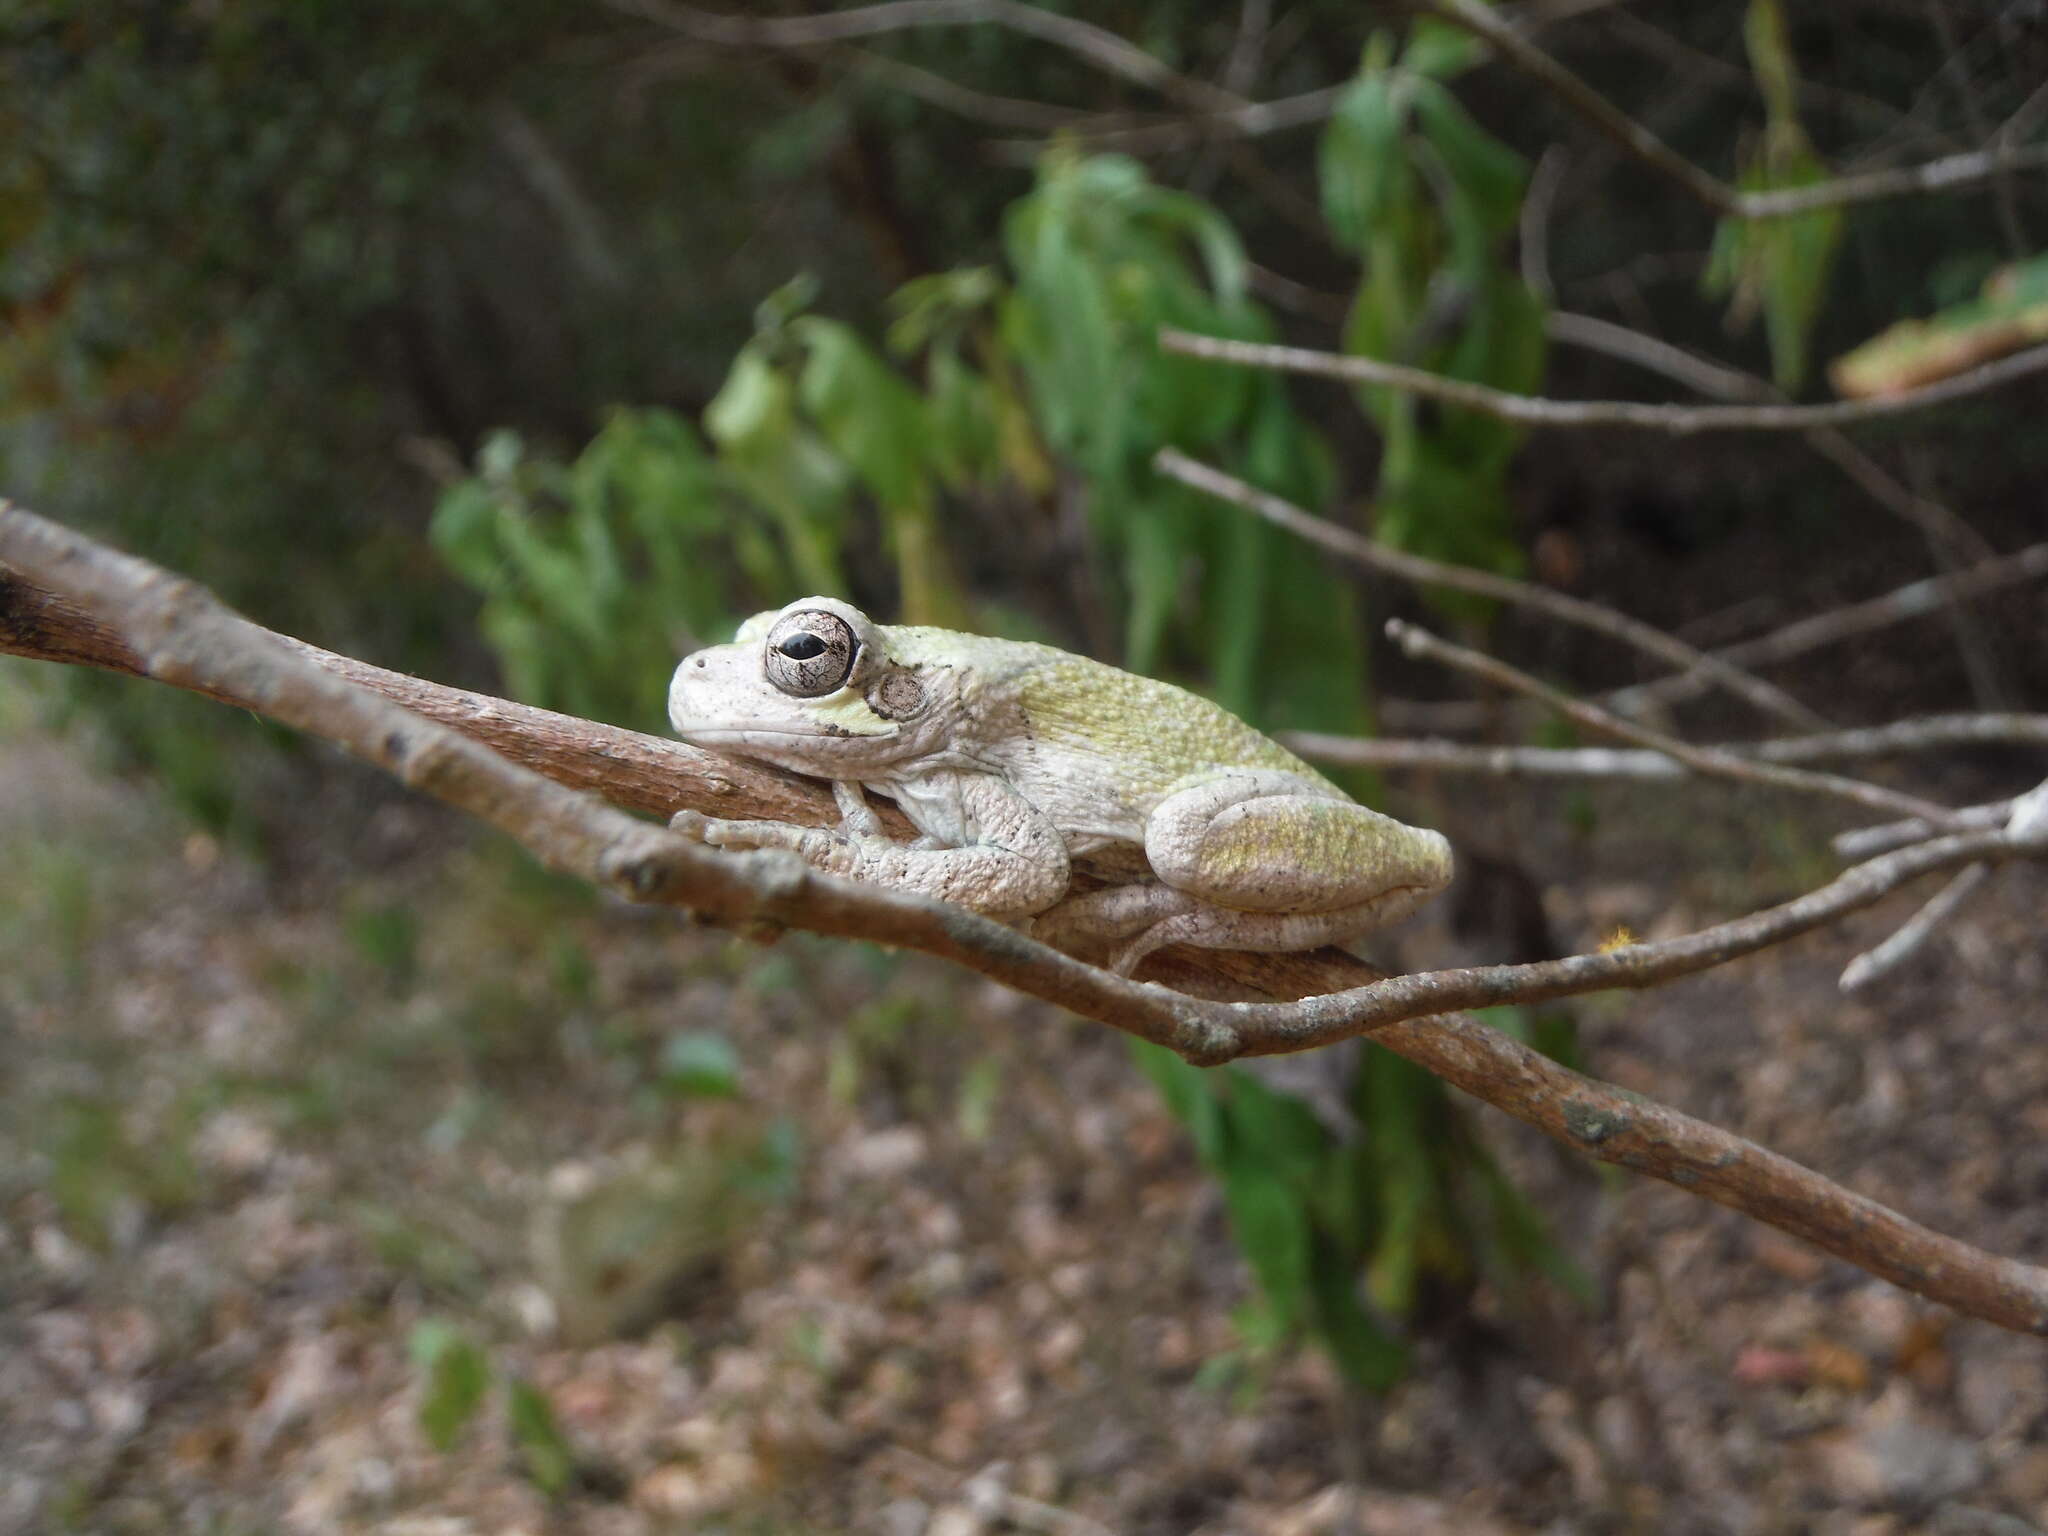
{"x":719,"y":832}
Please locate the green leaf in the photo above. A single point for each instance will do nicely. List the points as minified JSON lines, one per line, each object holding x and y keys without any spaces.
{"x":980,"y":1092}
{"x":930,"y":310}
{"x":1270,"y":1223}
{"x":752,"y":408}
{"x":550,"y":1463}
{"x":1275,"y":1130}
{"x":1770,"y":58}
{"x":2009,"y":313}
{"x":698,"y":1064}
{"x":964,"y":443}
{"x":1783,"y":265}
{"x":1364,"y":1351}
{"x":457,"y":1377}
{"x":1362,"y":169}
{"x":1189,"y":1096}
{"x":1486,"y":178}
{"x":866,"y":412}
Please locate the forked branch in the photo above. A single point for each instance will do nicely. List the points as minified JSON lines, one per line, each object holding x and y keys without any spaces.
{"x":70,"y":599}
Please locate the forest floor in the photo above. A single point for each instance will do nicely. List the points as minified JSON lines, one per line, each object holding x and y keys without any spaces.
{"x":302,"y":1172}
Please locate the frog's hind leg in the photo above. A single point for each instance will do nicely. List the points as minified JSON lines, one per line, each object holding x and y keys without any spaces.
{"x":1207,"y":926}
{"x":1272,"y":861}
{"x":1091,"y":921}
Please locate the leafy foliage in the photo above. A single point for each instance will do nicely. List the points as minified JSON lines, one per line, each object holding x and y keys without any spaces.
{"x":1344,"y":1236}
{"x":1782,"y":265}
{"x":1045,"y":379}
{"x":1428,"y":202}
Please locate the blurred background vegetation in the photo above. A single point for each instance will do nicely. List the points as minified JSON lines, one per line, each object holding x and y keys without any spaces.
{"x":528,"y":345}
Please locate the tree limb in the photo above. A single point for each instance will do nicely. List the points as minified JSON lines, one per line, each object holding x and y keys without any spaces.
{"x":125,"y":613}
{"x":1923,"y":734}
{"x":1538,"y":411}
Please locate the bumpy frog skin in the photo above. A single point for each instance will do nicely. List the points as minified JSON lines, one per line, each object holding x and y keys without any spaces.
{"x":1020,"y":764}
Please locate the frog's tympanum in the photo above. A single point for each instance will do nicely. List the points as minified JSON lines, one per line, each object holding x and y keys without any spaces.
{"x":1020,"y":763}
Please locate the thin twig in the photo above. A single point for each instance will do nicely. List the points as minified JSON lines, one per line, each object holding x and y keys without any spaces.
{"x":1716,"y":380}
{"x":963,"y":101}
{"x":1422,"y":645}
{"x":1720,"y":382}
{"x":1875,"y":964}
{"x":1252,"y":120}
{"x":1418,"y":568}
{"x":1915,"y":599}
{"x":1098,"y":46}
{"x":1966,"y":94}
{"x":176,"y":632}
{"x":1539,"y":411}
{"x":1869,"y":842}
{"x":1927,"y":733}
{"x":1944,"y":175}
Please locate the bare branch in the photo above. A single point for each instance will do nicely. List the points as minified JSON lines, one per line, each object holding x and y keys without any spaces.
{"x":1099,"y":47}
{"x":1720,"y":382}
{"x":1874,"y":964}
{"x":1420,"y":643}
{"x":1538,"y":411}
{"x":1254,"y":119}
{"x":1914,"y":600}
{"x":173,"y":631}
{"x":979,"y":106}
{"x":1927,"y":733}
{"x":1868,"y":842}
{"x":1715,"y":380}
{"x":1951,"y":173}
{"x":1418,"y":568}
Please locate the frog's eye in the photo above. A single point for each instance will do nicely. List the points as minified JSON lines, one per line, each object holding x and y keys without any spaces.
{"x":810,"y":653}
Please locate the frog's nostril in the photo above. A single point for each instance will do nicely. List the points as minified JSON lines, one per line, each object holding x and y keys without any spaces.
{"x":700,"y":663}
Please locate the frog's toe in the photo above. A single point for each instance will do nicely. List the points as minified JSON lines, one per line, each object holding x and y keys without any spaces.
{"x":1188,"y":927}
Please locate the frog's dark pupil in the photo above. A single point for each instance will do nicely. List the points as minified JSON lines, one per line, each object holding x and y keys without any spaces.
{"x":802,"y":646}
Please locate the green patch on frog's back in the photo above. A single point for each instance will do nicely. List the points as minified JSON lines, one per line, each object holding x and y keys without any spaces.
{"x":1155,"y":733}
{"x":1160,"y":732}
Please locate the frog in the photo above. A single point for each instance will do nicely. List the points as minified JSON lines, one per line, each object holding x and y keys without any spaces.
{"x":1021,"y":766}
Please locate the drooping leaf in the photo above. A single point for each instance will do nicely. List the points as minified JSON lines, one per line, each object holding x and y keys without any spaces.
{"x":1781,"y":266}
{"x":457,"y":1377}
{"x":1362,"y":169}
{"x":2009,"y":313}
{"x":543,"y":1449}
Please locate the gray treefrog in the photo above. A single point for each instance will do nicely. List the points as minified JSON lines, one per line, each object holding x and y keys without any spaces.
{"x":1019,"y":764}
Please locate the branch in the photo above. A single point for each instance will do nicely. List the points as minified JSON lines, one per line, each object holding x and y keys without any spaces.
{"x":1421,"y":644}
{"x":1250,"y":120}
{"x":174,"y":631}
{"x":1099,"y":47}
{"x":1418,"y":568}
{"x":2000,"y":157}
{"x":1875,"y":964}
{"x":1914,"y":600}
{"x":1537,"y":411}
{"x":1868,"y":842}
{"x":1926,"y":733}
